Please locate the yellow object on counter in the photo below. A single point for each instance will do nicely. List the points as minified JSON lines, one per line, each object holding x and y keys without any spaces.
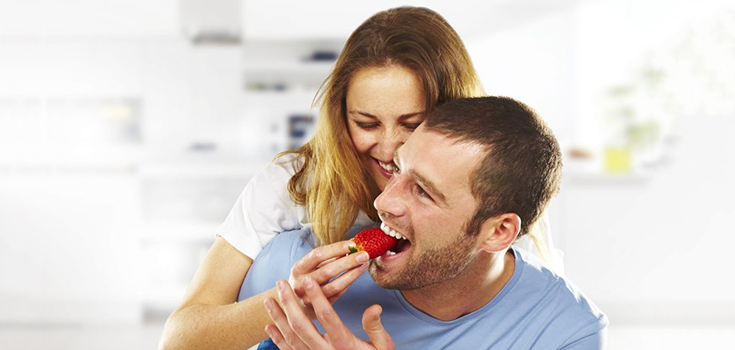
{"x":618,"y":160}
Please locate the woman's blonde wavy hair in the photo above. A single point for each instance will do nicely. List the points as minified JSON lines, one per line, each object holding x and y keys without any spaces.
{"x":331,"y":182}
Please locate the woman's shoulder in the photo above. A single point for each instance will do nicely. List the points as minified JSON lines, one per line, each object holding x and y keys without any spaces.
{"x":291,"y":160}
{"x":280,"y":169}
{"x":269,"y":191}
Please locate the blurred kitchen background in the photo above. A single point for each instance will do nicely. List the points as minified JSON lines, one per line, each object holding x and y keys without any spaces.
{"x":128,"y":128}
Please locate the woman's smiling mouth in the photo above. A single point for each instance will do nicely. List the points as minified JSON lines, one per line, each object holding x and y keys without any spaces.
{"x":386,"y":169}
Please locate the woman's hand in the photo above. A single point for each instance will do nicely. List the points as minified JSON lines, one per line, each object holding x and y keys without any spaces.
{"x":293,"y":330}
{"x":331,"y":268}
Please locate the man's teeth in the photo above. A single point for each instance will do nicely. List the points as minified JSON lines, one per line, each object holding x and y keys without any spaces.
{"x":390,"y":232}
{"x":388,"y":167}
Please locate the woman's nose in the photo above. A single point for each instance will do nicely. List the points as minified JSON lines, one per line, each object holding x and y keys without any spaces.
{"x":390,"y":201}
{"x":388,"y":143}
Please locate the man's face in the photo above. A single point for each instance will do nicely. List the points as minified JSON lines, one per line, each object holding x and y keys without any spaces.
{"x":428,"y":201}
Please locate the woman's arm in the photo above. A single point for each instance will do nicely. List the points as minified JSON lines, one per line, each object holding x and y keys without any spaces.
{"x":208,"y":317}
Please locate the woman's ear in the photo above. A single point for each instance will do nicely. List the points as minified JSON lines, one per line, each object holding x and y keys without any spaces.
{"x":499,"y":232}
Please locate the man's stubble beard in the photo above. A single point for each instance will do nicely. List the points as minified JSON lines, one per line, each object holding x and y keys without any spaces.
{"x":431,"y":267}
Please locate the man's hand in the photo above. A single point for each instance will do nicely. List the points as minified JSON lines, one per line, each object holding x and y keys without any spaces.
{"x":293,"y":329}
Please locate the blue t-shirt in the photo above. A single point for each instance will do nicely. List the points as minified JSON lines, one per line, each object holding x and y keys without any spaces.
{"x":536,"y":309}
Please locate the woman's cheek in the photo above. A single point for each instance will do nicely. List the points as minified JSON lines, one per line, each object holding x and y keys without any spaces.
{"x":356,"y":138}
{"x":405,"y":135}
{"x":363,"y":141}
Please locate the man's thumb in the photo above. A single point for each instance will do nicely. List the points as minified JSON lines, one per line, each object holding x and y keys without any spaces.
{"x":374,"y":328}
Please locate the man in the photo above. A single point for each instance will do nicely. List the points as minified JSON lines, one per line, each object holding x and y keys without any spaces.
{"x":471,"y":180}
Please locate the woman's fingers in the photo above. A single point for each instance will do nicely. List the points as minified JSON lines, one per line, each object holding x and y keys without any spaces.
{"x":327,"y":263}
{"x":299,"y":323}
{"x":340,"y":284}
{"x":346,"y":265}
{"x":334,"y":268}
{"x":332,"y":289}
{"x":372,"y":325}
{"x":277,"y":337}
{"x":312,"y":260}
{"x":337,"y":331}
{"x":285,"y":338}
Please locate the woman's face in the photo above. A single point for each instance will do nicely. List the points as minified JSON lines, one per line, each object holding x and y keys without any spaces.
{"x":384,"y":106}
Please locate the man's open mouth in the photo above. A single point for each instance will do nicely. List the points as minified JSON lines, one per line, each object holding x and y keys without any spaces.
{"x":403,"y":245}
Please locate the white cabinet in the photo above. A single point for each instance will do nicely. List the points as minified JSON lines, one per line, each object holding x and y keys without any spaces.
{"x":280,"y":81}
{"x":280,"y":19}
{"x":211,"y":21}
{"x":99,"y":18}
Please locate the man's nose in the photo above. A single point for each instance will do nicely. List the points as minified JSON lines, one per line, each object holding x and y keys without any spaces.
{"x":391,"y":202}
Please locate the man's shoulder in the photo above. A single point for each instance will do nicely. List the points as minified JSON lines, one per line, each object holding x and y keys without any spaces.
{"x":537,"y":309}
{"x":291,"y":245}
{"x":564,"y":307}
{"x":275,"y":260}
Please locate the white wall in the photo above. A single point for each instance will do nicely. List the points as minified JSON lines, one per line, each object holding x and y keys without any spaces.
{"x":70,"y":213}
{"x":534,"y":62}
{"x":89,"y":18}
{"x":658,"y":250}
{"x":68,"y":248}
{"x":653,"y":249}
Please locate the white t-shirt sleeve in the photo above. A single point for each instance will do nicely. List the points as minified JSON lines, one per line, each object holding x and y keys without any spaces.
{"x":263,"y":210}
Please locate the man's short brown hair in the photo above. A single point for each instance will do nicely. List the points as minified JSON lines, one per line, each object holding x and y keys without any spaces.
{"x":521,"y":170}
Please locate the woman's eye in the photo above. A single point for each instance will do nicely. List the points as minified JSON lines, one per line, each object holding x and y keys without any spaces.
{"x":367,"y":126}
{"x":411,"y":126}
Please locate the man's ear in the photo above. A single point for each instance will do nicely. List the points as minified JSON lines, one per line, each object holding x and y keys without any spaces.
{"x":499,"y":232}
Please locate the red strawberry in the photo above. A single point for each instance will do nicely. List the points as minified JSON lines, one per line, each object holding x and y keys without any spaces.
{"x":374,"y":241}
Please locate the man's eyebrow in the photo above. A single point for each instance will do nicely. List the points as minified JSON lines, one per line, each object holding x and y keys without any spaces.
{"x":402,"y":116}
{"x":430,"y":185}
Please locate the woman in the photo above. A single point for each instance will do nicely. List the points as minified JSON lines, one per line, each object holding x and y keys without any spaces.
{"x":394,"y":69}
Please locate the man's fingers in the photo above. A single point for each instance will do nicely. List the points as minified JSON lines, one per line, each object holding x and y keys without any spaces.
{"x":312,"y":260}
{"x":379,"y":337}
{"x":277,"y":337}
{"x":299,"y":323}
{"x":286,"y":334}
{"x":340,"y":284}
{"x":338,"y":333}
